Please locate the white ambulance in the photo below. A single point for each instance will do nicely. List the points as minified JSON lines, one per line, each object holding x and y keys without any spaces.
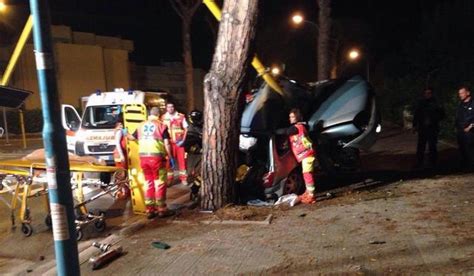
{"x":93,"y":134}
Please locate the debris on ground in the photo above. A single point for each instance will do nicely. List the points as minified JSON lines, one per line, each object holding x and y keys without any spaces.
{"x":290,"y":199}
{"x":105,"y":258}
{"x":258,"y":203}
{"x":377,"y":242}
{"x":160,"y":245}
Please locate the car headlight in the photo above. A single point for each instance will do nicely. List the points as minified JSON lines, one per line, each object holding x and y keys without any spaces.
{"x":246,"y":142}
{"x":378,"y":129}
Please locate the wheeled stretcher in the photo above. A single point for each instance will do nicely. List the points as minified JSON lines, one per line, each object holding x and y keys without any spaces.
{"x":25,"y":179}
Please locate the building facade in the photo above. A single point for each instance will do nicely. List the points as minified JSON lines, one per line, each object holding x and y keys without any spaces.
{"x":85,"y":62}
{"x":169,"y":77}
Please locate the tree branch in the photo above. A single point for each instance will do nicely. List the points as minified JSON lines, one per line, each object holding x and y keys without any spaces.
{"x":178,"y":7}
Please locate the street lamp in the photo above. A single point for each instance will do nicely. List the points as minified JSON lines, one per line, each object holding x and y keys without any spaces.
{"x":298,"y":19}
{"x":3,"y":7}
{"x":275,"y":71}
{"x":354,"y":55}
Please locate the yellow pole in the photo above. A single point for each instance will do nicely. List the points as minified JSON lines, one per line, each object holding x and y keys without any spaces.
{"x":256,"y":63}
{"x":18,"y":49}
{"x":25,"y":34}
{"x":22,"y":126}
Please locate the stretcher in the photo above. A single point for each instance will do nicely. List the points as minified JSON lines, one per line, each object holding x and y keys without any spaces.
{"x":25,"y":179}
{"x":133,"y":115}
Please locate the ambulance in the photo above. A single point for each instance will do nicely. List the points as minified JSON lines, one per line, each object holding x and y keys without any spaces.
{"x":93,"y":133}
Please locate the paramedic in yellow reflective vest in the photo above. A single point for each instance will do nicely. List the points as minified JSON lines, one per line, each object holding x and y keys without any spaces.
{"x":302,"y":149}
{"x":153,"y":148}
{"x":177,"y":127}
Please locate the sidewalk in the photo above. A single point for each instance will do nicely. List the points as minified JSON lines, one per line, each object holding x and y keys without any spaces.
{"x":392,"y":220}
{"x":406,"y":223}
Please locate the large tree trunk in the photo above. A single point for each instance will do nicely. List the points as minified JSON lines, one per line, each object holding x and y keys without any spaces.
{"x":188,"y":65}
{"x":323,"y":41}
{"x":222,"y":87}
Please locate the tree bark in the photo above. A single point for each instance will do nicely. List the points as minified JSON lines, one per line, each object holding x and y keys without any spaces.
{"x":222,"y":87}
{"x":188,"y":65}
{"x":186,"y":10}
{"x":323,"y":41}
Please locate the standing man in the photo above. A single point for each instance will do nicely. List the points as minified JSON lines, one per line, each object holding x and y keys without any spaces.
{"x":428,"y":114}
{"x":465,"y":126}
{"x":302,"y":149}
{"x":120,"y":157}
{"x":153,"y":147}
{"x":177,"y":127}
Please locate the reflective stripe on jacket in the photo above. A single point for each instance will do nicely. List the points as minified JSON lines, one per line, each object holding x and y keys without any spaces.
{"x":175,"y":126}
{"x":301,"y":145}
{"x":150,"y":138}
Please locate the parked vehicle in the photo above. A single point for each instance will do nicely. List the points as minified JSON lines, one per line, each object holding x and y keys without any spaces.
{"x":93,"y":133}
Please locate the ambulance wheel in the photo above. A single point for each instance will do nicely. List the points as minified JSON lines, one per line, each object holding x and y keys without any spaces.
{"x":48,"y":221}
{"x":100,"y":225}
{"x":26,"y":229}
{"x":79,"y":234}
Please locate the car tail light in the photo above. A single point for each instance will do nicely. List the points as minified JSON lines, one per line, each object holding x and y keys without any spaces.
{"x":249,"y":97}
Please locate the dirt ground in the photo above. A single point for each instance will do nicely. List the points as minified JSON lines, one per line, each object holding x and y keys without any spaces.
{"x":386,"y":219}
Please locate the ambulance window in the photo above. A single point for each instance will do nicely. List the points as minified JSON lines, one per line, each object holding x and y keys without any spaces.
{"x":101,"y":117}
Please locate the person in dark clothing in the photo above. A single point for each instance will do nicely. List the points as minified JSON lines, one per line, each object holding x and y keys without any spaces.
{"x":428,"y":114}
{"x":465,"y":127}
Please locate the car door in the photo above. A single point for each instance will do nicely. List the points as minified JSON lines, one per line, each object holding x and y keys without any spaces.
{"x":71,"y":122}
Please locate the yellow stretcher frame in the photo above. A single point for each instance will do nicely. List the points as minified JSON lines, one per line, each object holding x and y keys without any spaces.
{"x":133,"y":115}
{"x":24,"y":172}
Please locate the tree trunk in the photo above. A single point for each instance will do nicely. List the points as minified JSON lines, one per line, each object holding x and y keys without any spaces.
{"x":222,"y":87}
{"x":186,"y":9}
{"x":188,"y":65}
{"x":323,"y":41}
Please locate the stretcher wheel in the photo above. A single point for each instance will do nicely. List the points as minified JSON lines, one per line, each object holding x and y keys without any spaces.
{"x":26,"y":229}
{"x":79,"y":234}
{"x":100,"y":225}
{"x":48,"y":221}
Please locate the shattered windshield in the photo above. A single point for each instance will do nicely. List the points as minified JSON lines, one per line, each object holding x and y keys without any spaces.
{"x":101,"y":117}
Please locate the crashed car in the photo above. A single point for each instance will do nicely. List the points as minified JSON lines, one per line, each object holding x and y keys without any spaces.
{"x":342,"y":117}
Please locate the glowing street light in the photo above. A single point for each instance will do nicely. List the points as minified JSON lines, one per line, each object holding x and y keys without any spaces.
{"x":354,"y":54}
{"x":297,"y":18}
{"x":275,"y":71}
{"x":3,"y":7}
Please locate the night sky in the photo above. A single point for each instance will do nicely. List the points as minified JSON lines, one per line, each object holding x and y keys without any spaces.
{"x":381,"y":26}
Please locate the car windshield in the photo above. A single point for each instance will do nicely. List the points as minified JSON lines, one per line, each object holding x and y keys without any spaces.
{"x":101,"y":117}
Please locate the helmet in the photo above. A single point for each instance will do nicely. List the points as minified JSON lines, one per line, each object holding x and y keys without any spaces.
{"x":195,"y":117}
